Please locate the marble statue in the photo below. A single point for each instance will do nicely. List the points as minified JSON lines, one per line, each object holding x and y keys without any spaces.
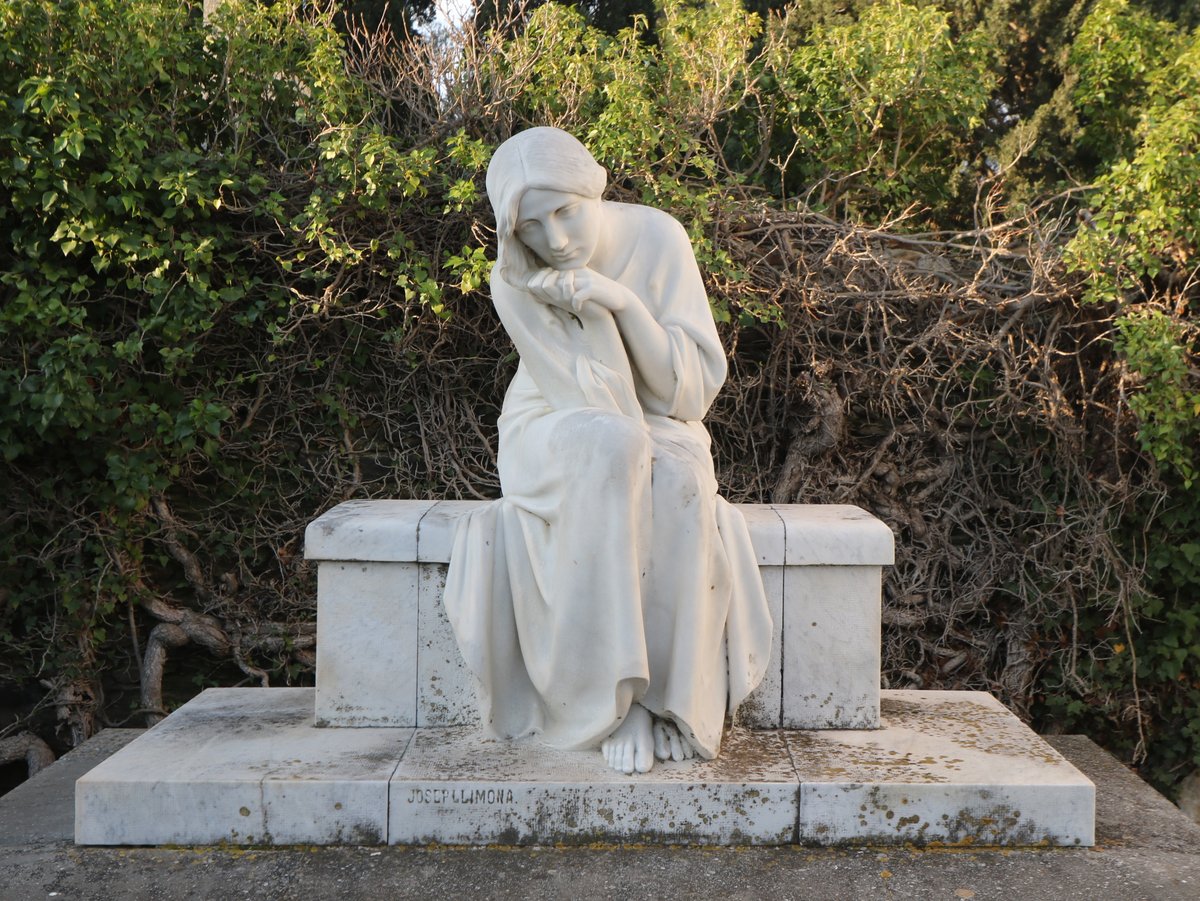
{"x":610,"y":598}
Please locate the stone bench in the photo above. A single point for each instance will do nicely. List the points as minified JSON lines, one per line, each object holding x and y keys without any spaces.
{"x":386,"y":655}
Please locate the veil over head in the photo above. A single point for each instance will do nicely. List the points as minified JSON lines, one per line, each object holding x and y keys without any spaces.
{"x":545,"y":158}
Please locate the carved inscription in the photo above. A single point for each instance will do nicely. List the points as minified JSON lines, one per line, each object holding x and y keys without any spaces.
{"x":460,"y":796}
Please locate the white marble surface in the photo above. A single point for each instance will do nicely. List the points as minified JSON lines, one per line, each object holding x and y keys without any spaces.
{"x":951,"y":767}
{"x":445,"y":687}
{"x":383,"y":531}
{"x":246,"y":767}
{"x":437,"y":530}
{"x":621,"y":560}
{"x":455,"y":787}
{"x":824,"y":666}
{"x":386,"y":655}
{"x":831,"y":647}
{"x":367,"y":644}
{"x":242,"y":766}
{"x":407,"y":531}
{"x":765,"y":526}
{"x":763,"y":708}
{"x":834,"y":535}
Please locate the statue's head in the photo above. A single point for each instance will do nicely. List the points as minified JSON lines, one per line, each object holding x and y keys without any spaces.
{"x":545,"y":191}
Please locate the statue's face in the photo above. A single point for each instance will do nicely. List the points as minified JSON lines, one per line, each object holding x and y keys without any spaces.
{"x":562,"y":229}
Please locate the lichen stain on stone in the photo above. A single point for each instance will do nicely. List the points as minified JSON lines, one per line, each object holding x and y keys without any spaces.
{"x":973,"y":725}
{"x":968,"y":827}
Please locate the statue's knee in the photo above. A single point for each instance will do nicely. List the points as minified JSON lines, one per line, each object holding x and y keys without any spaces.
{"x":608,"y":438}
{"x":674,"y":482}
{"x":624,"y":440}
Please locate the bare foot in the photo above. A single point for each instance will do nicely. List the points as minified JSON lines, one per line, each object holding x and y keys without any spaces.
{"x":630,"y":748}
{"x":670,"y":743}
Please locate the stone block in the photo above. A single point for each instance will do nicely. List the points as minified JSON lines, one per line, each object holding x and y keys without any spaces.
{"x":454,"y":787}
{"x":763,"y":708}
{"x":820,"y":567}
{"x":766,"y":529}
{"x":242,"y":766}
{"x":834,"y":535}
{"x":445,"y":687}
{"x":437,"y":529}
{"x":367,"y":643}
{"x":946,"y":766}
{"x":246,"y":766}
{"x":831,"y":640}
{"x":379,"y":531}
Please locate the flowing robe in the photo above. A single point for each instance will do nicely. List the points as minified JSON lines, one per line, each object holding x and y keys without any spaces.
{"x":610,"y":572}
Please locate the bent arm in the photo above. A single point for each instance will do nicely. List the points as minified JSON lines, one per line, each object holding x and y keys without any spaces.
{"x":668,"y":328}
{"x":681,"y":308}
{"x":648,"y":344}
{"x":614,"y":312}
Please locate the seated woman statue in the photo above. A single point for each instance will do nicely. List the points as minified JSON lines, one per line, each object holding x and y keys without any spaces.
{"x":610,"y":598}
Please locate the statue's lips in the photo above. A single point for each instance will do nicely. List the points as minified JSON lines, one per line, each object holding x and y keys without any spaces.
{"x":561,"y":260}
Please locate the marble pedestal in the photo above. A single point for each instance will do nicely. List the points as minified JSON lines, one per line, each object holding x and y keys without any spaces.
{"x":246,"y":766}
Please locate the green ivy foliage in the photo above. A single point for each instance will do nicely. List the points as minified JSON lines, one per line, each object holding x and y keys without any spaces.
{"x":176,"y":198}
{"x":114,"y":266}
{"x":1137,"y":250}
{"x":1118,"y":54}
{"x":197,"y":214}
{"x":1139,"y":247}
{"x":880,"y":113}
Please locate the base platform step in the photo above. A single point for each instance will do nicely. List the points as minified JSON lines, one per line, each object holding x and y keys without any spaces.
{"x":246,"y":766}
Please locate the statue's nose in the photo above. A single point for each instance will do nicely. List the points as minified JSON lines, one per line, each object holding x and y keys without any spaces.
{"x":556,"y":236}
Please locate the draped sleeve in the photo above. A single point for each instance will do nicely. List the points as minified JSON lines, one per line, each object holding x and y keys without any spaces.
{"x":668,"y":281}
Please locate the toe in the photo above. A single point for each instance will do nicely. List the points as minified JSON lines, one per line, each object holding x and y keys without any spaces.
{"x":645,"y":760}
{"x":627,"y":761}
{"x":662,"y":744}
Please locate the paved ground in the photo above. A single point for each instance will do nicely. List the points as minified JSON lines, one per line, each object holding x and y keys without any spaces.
{"x":1145,"y":849}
